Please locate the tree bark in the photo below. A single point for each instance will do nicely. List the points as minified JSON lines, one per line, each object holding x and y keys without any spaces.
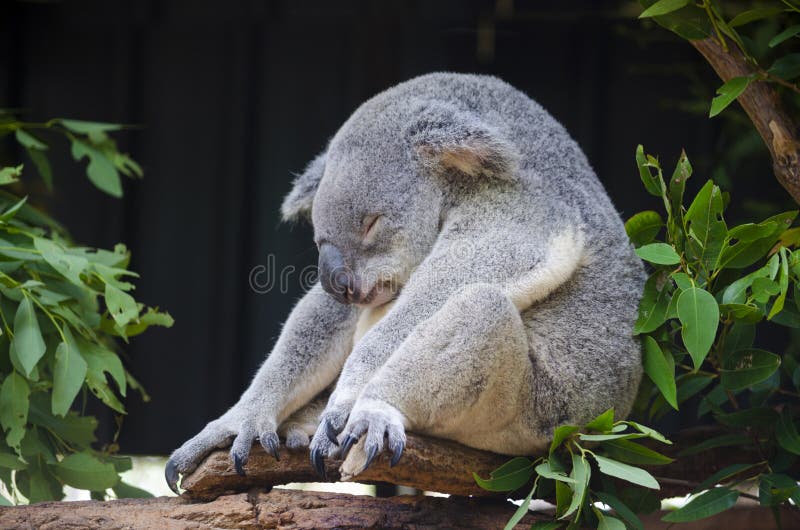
{"x":278,"y":509}
{"x":430,"y":464}
{"x":764,"y":108}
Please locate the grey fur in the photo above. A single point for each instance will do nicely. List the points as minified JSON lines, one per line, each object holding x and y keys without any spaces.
{"x":518,"y":287}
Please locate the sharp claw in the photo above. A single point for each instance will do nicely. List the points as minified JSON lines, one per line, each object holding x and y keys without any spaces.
{"x":331,"y":432}
{"x":238,"y":464}
{"x":171,"y":474}
{"x":373,"y":452}
{"x":398,"y":452}
{"x":273,"y":449}
{"x":318,"y":461}
{"x":347,"y":444}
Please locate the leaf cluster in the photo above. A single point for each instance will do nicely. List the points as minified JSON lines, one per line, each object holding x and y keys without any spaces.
{"x":62,"y":309}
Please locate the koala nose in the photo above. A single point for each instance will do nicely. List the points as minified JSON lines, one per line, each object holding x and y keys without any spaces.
{"x":335,"y":276}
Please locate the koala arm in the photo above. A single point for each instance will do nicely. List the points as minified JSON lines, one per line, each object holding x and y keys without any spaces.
{"x":306,"y":359}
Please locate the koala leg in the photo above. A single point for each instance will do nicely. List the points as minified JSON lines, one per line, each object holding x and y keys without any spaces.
{"x":306,"y":359}
{"x":463,"y":374}
{"x":300,"y":426}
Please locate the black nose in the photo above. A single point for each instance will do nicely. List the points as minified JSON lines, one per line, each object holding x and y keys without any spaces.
{"x":336,"y":278}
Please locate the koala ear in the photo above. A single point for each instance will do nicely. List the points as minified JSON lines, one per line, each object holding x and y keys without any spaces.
{"x":446,"y":140}
{"x":297,"y":204}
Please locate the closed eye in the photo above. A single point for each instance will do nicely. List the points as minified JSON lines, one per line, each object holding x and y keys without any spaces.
{"x":369,"y":224}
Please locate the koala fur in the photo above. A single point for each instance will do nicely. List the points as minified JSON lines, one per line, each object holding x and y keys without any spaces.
{"x":480,"y":286}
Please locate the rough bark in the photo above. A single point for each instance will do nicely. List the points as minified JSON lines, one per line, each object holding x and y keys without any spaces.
{"x":279,"y":509}
{"x":427,"y":464}
{"x":437,"y":465}
{"x":763,"y":105}
{"x":295,"y":510}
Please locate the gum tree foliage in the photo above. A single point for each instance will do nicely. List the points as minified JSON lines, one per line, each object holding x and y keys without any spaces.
{"x":63,"y":310}
{"x":715,"y":289}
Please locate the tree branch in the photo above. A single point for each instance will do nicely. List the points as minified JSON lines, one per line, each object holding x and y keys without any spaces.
{"x":764,"y":108}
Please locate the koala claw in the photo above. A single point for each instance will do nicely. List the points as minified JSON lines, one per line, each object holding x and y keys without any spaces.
{"x":398,"y":452}
{"x":318,"y":461}
{"x":171,"y":474}
{"x":347,"y":444}
{"x":238,"y":464}
{"x":331,"y":432}
{"x":269,"y":441}
{"x":371,"y":454}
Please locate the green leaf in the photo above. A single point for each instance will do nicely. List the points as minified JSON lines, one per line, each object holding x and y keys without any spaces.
{"x":11,"y":174}
{"x":544,"y":470}
{"x":722,"y":475}
{"x":705,"y":226}
{"x":727,"y":93}
{"x":653,"y":184}
{"x":510,"y":476}
{"x":11,"y":461}
{"x":745,"y":368}
{"x":99,"y":359}
{"x":581,"y":473}
{"x":602,"y":423}
{"x":752,"y":417}
{"x":12,"y":210}
{"x":634,"y":453}
{"x":68,"y":375}
{"x":546,"y":525}
{"x":68,"y":265}
{"x":660,"y":368}
{"x":786,"y":432}
{"x":699,"y":315}
{"x":124,"y":490}
{"x":662,"y":7}
{"x":89,"y":127}
{"x":122,"y":307}
{"x":521,"y":512}
{"x":77,"y":430}
{"x":28,"y":140}
{"x":610,"y":523}
{"x":705,"y":505}
{"x":14,"y":404}
{"x":28,"y":343}
{"x":776,"y":488}
{"x":784,"y":35}
{"x":653,"y":305}
{"x":643,"y":227}
{"x":621,"y":508}
{"x":623,"y":471}
{"x":84,"y":471}
{"x":786,"y":67}
{"x":39,"y":160}
{"x":659,"y":253}
{"x":101,"y":170}
{"x":649,"y":432}
{"x":561,"y":433}
{"x":744,"y":246}
{"x":754,"y":14}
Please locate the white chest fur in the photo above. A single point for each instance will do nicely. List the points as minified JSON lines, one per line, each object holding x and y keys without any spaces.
{"x":368,"y":318}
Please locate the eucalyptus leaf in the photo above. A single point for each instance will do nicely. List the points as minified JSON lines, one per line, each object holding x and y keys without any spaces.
{"x":699,"y":315}
{"x":627,"y":472}
{"x":710,"y":503}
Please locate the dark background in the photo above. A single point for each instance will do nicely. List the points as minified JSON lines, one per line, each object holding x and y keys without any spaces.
{"x":232,"y":96}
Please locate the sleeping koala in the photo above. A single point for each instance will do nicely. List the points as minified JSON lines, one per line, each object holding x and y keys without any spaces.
{"x":476,"y":284}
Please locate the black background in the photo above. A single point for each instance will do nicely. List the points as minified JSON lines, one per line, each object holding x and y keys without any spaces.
{"x":232,"y":96}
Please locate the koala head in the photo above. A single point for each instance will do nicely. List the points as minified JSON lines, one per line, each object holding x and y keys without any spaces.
{"x":379,"y":193}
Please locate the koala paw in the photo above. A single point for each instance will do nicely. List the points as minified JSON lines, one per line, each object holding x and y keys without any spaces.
{"x":324,"y":443}
{"x":296,"y":438}
{"x":216,"y":435}
{"x":372,"y":420}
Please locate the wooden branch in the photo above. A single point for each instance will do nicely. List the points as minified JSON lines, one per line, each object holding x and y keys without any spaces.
{"x":280,"y":509}
{"x":437,"y":465}
{"x":763,"y":105}
{"x":427,"y":464}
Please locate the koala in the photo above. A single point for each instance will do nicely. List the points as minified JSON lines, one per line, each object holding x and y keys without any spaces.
{"x":475,"y":284}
